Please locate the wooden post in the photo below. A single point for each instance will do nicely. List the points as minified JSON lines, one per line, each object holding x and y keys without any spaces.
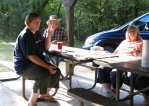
{"x":69,"y":4}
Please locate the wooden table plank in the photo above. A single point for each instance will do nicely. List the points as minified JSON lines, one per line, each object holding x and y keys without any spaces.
{"x":133,"y":65}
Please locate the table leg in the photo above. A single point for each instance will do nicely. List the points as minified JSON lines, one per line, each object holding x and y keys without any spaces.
{"x":130,"y":96}
{"x":57,"y":64}
{"x":23,"y":88}
{"x":95,"y":80}
{"x":133,"y":94}
{"x":71,"y":72}
{"x":131,"y":88}
{"x":68,"y":66}
{"x":117,"y":84}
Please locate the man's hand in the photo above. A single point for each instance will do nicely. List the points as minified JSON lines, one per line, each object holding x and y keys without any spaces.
{"x":50,"y":29}
{"x":52,"y":69}
{"x":54,"y":42}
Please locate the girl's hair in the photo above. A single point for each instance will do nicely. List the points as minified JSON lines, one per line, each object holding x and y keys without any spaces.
{"x":132,"y":27}
{"x":30,"y":17}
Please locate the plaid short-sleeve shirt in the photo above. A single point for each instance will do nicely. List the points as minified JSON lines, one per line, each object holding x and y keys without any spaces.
{"x":59,"y":34}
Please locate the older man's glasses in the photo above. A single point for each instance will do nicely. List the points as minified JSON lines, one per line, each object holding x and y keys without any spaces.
{"x":36,"y":21}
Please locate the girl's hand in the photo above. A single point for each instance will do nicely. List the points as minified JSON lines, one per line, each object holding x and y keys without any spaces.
{"x":137,"y":53}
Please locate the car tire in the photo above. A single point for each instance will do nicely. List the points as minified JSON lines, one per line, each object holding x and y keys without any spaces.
{"x":109,"y":49}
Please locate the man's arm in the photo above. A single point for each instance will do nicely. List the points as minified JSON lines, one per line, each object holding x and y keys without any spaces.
{"x":48,"y":38}
{"x":35,"y":59}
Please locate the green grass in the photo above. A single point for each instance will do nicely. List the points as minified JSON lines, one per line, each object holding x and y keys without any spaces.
{"x":3,"y":69}
{"x":6,"y":50}
{"x":78,"y":44}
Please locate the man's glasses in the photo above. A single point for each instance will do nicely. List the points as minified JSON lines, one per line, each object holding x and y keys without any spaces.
{"x":36,"y":21}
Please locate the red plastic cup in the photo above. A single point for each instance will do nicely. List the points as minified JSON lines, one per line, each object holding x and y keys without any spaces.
{"x":59,"y":45}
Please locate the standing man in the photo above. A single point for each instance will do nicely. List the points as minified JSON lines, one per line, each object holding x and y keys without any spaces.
{"x":58,"y":35}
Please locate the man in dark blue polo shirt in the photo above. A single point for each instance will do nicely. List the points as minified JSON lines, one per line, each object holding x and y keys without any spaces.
{"x":30,"y":62}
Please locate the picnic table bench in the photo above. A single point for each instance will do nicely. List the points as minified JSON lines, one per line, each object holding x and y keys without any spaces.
{"x":91,"y":98}
{"x":9,"y":65}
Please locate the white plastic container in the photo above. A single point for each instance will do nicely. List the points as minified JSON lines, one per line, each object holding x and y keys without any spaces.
{"x":97,"y":48}
{"x":145,"y":54}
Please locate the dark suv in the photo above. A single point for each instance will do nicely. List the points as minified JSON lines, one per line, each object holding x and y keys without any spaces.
{"x":110,"y":39}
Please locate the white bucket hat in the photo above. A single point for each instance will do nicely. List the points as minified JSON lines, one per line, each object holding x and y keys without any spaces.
{"x":53,"y":17}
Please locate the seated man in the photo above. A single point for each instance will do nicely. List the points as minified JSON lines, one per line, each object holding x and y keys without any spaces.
{"x":58,"y":35}
{"x":30,"y":62}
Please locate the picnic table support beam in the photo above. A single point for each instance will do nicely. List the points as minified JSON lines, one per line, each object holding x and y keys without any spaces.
{"x":117,"y":85}
{"x":131,"y":88}
{"x":69,"y":4}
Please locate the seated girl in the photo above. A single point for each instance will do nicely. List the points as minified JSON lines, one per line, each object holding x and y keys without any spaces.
{"x":130,"y":47}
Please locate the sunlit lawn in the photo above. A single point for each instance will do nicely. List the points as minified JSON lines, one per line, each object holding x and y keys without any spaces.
{"x":3,"y":69}
{"x":6,"y":50}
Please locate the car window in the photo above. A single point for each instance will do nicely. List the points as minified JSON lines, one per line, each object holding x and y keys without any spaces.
{"x":143,"y":23}
{"x":124,"y":25}
{"x":145,"y":19}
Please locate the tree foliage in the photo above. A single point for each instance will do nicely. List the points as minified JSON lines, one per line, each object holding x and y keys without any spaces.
{"x":90,"y":16}
{"x":13,"y":14}
{"x":93,"y":16}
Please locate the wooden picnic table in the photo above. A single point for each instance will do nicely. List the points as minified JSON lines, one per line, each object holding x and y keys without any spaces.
{"x":74,"y":56}
{"x":132,"y":65}
{"x":77,"y":56}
